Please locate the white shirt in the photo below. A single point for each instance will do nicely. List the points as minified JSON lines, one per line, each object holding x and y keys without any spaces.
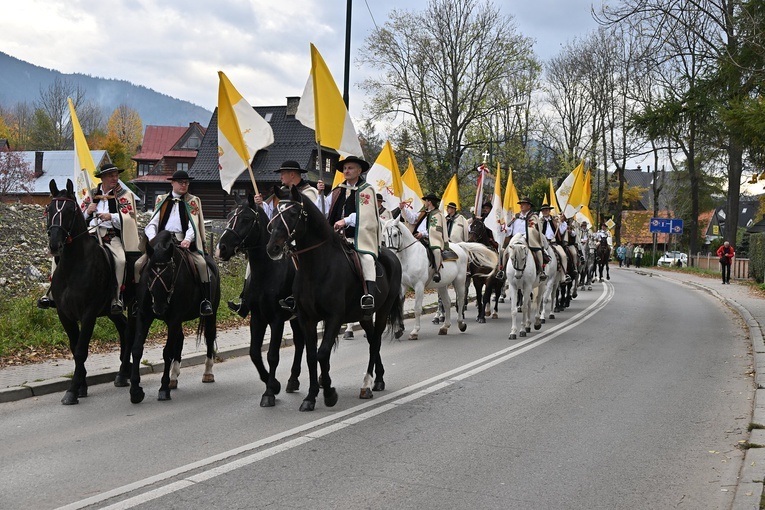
{"x":103,"y":207}
{"x":518,"y":225}
{"x":411,"y":217}
{"x":173,"y":223}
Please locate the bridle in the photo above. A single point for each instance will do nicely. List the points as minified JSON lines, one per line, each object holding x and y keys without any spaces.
{"x":59,"y":204}
{"x":396,"y":247}
{"x":158,"y":274}
{"x":301,"y":217}
{"x":513,"y":257}
{"x":233,"y":222}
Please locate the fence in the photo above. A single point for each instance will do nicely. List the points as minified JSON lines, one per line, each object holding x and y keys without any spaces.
{"x":739,"y":270}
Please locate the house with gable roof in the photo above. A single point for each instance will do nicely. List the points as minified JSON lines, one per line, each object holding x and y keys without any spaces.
{"x":292,"y":141}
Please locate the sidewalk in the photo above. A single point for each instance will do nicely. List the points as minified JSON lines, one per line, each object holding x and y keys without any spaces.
{"x":19,"y":382}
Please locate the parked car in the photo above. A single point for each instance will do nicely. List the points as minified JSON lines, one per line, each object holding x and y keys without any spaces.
{"x":671,"y":258}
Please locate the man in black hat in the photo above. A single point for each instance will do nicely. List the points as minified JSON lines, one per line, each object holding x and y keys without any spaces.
{"x":603,"y":235}
{"x":353,"y":210}
{"x":111,"y":217}
{"x":555,"y":230}
{"x":456,"y":224}
{"x":180,"y":212}
{"x":383,"y":213}
{"x":431,"y":228}
{"x":526,"y":223}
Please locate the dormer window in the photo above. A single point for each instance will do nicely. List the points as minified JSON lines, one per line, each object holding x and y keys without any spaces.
{"x":268,"y":116}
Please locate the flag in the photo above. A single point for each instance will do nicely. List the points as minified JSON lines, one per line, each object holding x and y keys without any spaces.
{"x":411,"y":195}
{"x":553,"y":200}
{"x":84,"y":168}
{"x":482,"y":170}
{"x":495,"y":220}
{"x":385,"y":177}
{"x":585,"y":213}
{"x":339,"y":178}
{"x":241,"y":134}
{"x":510,"y":203}
{"x":570,"y":190}
{"x":451,"y":193}
{"x":322,"y":109}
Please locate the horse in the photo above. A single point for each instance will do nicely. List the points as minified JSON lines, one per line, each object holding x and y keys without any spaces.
{"x":269,"y":281}
{"x":169,"y":291}
{"x":588,"y":266}
{"x":602,"y":256}
{"x":82,"y":287}
{"x":327,"y":287}
{"x":523,"y":278}
{"x":554,"y":279}
{"x":484,"y":276}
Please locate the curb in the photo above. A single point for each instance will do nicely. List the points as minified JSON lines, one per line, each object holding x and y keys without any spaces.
{"x":107,"y":375}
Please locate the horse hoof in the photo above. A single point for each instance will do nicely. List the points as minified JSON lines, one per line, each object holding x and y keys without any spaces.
{"x":307,"y":405}
{"x":537,"y":327}
{"x":414,"y":336}
{"x":292,"y":386}
{"x":330,"y":397}
{"x":528,"y":330}
{"x":552,"y":316}
{"x":501,"y":300}
{"x":522,"y":333}
{"x":275,"y":387}
{"x":378,"y":386}
{"x":481,"y":320}
{"x":69,"y":399}
{"x":435,"y":320}
{"x":443,"y":331}
{"x":136,"y":397}
{"x":121,"y":381}
{"x":173,"y":384}
{"x":512,"y":336}
{"x":163,"y":395}
{"x":398,"y":334}
{"x":542,"y":321}
{"x":348,"y":334}
{"x":267,"y":401}
{"x":518,"y":309}
{"x":365,"y":394}
{"x":82,"y":392}
{"x":589,"y":288}
{"x":462,"y":326}
{"x":207,"y":378}
{"x":487,"y":314}
{"x":607,"y":278}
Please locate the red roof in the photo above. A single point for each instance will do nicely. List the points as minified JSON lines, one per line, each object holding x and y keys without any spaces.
{"x":158,"y":140}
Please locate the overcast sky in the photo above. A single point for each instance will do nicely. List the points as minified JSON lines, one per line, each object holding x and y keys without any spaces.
{"x":177,"y":46}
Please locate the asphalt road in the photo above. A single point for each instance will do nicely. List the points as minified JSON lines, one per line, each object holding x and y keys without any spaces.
{"x":635,"y":397}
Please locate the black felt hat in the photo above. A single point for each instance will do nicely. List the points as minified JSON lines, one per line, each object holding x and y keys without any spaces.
{"x":432,"y":197}
{"x":352,"y":159}
{"x":290,"y":165}
{"x":380,"y":197}
{"x":526,"y":200}
{"x":546,"y":206}
{"x":451,"y":204}
{"x":180,"y":175}
{"x":106,"y":168}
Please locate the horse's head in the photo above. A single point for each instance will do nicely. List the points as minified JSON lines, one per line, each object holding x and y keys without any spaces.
{"x":287,"y":225}
{"x":477,"y":230}
{"x":63,"y":217}
{"x":242,"y":230}
{"x":161,"y":270}
{"x":518,"y":255}
{"x":392,"y":235}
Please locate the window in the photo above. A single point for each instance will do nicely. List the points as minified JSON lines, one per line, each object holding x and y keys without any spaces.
{"x":143,"y":168}
{"x":268,"y":116}
{"x":182,"y":166}
{"x":192,"y":143}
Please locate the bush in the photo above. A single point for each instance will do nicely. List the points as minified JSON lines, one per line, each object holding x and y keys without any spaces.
{"x":757,"y":257}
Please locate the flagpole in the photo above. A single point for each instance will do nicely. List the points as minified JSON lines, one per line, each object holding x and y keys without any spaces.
{"x":320,"y":162}
{"x":252,"y":177}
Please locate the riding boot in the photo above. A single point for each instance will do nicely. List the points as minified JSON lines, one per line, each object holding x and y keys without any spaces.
{"x":436,"y":277}
{"x":46,"y":302}
{"x":368,"y":300}
{"x":117,"y":306}
{"x":205,"y":307}
{"x":241,"y":308}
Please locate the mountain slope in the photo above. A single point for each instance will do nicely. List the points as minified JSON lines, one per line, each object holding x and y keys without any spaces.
{"x":21,"y":81}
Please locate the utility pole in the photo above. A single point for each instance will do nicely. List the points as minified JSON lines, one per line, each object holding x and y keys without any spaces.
{"x":347,"y":77}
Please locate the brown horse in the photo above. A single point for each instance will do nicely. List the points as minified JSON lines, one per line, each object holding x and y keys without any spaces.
{"x":492,"y":278}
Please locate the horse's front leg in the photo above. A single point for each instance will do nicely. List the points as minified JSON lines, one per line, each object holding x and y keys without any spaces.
{"x":513,"y":293}
{"x":298,"y":339}
{"x":419,"y":293}
{"x":125,"y":329}
{"x":331,"y":330}
{"x":210,"y":334}
{"x":77,"y":385}
{"x":171,"y":353}
{"x":273,"y":386}
{"x":311,"y":355}
{"x":257,"y":335}
{"x":443,"y":294}
{"x":142,"y":325}
{"x":374,"y":365}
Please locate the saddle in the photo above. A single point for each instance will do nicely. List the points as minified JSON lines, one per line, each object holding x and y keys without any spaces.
{"x":448,"y":255}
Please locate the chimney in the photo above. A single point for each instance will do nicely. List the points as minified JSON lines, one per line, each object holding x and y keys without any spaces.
{"x":39,"y":163}
{"x":292,"y":105}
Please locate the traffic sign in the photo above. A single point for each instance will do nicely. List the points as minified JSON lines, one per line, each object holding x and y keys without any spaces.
{"x":666,"y":225}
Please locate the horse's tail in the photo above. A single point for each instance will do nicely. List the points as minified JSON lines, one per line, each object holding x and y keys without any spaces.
{"x":200,"y":331}
{"x":480,"y":255}
{"x":396,"y":316}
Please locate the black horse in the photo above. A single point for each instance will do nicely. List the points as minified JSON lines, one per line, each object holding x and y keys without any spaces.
{"x":328,"y":287}
{"x":602,"y":256}
{"x":269,"y":281}
{"x":168,"y":290}
{"x":82,"y":287}
{"x":492,"y":278}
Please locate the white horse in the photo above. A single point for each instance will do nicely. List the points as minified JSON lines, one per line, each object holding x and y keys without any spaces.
{"x":554,"y":278}
{"x":522,"y":275}
{"x":417,"y":273}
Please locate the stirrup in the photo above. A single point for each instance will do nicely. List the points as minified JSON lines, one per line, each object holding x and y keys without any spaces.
{"x":45,"y":302}
{"x":238,"y":308}
{"x":288,"y":303}
{"x":205,"y":308}
{"x":367,"y":302}
{"x":542,"y":276}
{"x":117,"y":307}
{"x":568,"y":279}
{"x":436,"y":277}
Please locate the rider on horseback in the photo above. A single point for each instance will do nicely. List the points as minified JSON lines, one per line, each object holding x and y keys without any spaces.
{"x":353,"y":210}
{"x":526,"y":223}
{"x":603,"y":235}
{"x":173,"y":212}
{"x":554,"y":231}
{"x":111,"y":217}
{"x":431,"y":227}
{"x":456,"y":224}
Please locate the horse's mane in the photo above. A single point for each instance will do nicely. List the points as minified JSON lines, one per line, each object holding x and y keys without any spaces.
{"x":317,"y":222}
{"x":162,"y":246}
{"x":401,"y":228}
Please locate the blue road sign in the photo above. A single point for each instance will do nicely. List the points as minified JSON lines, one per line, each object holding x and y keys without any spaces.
{"x":666,"y":225}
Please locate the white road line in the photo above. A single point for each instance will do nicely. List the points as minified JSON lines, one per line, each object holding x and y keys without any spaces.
{"x":330,"y":424}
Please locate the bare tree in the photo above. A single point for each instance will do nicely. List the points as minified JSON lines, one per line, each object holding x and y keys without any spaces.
{"x":54,"y":107}
{"x":440,"y":67}
{"x":16,"y":176}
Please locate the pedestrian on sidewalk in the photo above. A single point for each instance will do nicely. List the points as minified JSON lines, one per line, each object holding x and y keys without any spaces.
{"x":726,"y":254}
{"x":638,"y":252}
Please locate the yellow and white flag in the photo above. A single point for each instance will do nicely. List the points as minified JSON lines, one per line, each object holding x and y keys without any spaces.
{"x":569,"y":193}
{"x":84,"y":168}
{"x":322,"y":109}
{"x":242,"y":132}
{"x":495,"y":220}
{"x":451,"y":193}
{"x":584,"y":213}
{"x":411,"y":195}
{"x":510,"y":202}
{"x":386,"y":177}
{"x":553,"y":200}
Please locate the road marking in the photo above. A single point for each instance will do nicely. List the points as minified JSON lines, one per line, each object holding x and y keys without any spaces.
{"x":329,"y":424}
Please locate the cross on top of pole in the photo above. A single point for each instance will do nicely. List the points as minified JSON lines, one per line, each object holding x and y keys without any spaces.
{"x":486,"y":155}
